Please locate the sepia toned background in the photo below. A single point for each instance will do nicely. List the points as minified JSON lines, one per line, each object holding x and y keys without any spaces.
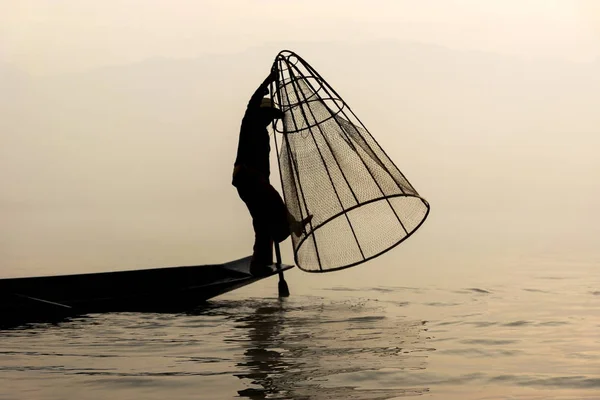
{"x":118,"y":131}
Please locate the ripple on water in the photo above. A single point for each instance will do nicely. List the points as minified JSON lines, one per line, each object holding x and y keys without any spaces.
{"x":517,"y":323}
{"x":361,"y":348}
{"x":480,"y":352}
{"x":441,"y":304}
{"x":478,"y":290}
{"x":489,"y":342}
{"x":576,"y":382}
{"x":337,"y":338}
{"x":536,"y":290}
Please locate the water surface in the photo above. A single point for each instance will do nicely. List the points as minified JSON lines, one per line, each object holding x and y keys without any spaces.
{"x":532,"y":335}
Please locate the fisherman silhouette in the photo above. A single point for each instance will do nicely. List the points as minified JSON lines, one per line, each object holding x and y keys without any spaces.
{"x":270,"y":217}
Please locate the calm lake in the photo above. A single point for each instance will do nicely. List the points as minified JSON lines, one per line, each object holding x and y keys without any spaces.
{"x":530,"y":334}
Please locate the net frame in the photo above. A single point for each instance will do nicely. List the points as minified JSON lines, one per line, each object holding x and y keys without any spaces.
{"x":291,"y":68}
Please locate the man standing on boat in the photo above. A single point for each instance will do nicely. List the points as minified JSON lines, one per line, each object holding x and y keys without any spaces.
{"x":270,"y":217}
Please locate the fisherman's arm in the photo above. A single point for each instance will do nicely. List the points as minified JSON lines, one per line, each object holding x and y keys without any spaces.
{"x":262,"y":90}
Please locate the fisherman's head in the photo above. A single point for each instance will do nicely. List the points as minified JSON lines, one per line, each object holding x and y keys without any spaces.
{"x":268,"y":112}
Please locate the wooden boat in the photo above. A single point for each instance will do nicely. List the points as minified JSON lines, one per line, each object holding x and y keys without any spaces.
{"x":139,"y":290}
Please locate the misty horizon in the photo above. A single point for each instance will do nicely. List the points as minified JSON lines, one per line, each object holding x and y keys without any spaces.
{"x":127,"y":157}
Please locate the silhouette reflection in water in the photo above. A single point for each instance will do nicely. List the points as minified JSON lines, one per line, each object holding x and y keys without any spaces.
{"x":318,"y":350}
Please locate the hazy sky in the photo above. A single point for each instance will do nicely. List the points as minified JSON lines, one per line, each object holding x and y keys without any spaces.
{"x":119,"y":123}
{"x":51,"y":36}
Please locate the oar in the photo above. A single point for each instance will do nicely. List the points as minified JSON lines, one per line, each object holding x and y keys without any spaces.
{"x":282,"y":286}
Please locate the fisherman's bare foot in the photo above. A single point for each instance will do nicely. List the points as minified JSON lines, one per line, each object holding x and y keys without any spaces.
{"x":297,"y":227}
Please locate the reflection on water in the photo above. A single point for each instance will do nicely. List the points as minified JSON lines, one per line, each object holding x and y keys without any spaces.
{"x":532,"y":339}
{"x":261,"y":363}
{"x":291,"y":351}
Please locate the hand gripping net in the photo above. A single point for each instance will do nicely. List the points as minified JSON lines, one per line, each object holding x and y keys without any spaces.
{"x":332,"y":168}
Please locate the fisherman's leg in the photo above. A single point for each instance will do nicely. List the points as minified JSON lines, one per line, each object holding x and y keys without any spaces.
{"x":277,"y":214}
{"x":264,"y":203}
{"x":282,"y":221}
{"x":263,"y":246}
{"x":262,"y":254}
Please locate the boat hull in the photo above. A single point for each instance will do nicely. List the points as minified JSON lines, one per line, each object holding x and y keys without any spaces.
{"x":138,"y":290}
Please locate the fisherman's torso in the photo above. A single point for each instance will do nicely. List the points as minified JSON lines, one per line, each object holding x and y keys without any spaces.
{"x":254,"y":146}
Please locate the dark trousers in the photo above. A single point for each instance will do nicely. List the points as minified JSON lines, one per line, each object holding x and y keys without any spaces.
{"x":268,"y":211}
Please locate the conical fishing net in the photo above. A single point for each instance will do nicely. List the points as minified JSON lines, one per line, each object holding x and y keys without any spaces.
{"x":333,"y":169}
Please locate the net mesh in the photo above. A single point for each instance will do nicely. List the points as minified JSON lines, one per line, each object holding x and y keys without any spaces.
{"x":333,"y":169}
